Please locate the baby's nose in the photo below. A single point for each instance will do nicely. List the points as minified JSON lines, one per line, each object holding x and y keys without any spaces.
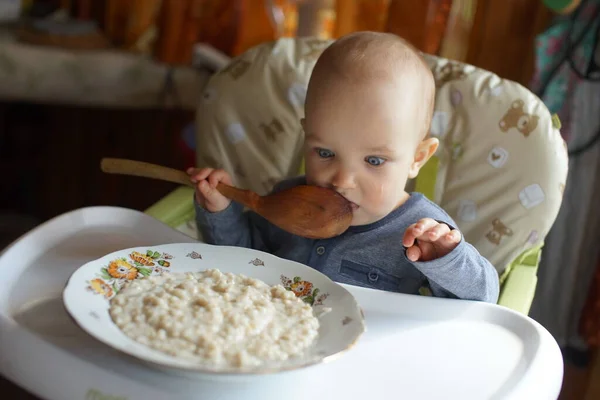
{"x":343,"y":179}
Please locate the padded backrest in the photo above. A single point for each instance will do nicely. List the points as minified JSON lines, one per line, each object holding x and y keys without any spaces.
{"x":499,"y":172}
{"x":502,"y":163}
{"x":248,"y":121}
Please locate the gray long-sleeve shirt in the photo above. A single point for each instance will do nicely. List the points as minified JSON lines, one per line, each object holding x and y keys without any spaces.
{"x":369,"y":255}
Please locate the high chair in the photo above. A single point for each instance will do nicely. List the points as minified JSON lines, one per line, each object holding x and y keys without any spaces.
{"x":500,"y":170}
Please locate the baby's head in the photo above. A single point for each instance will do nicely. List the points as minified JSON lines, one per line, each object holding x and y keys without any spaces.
{"x":367,"y":115}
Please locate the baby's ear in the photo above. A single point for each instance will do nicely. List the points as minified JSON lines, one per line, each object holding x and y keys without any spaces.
{"x":424,"y":151}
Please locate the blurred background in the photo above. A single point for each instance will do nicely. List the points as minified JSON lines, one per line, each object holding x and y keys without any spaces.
{"x":85,"y":79}
{"x":80,"y":79}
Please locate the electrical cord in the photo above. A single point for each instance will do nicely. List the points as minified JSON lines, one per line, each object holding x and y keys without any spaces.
{"x":568,"y":56}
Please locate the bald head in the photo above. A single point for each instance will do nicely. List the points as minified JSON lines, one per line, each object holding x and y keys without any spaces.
{"x":374,"y":57}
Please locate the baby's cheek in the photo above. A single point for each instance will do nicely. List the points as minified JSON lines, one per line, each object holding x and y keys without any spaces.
{"x":379,"y":193}
{"x":316,"y":175}
{"x":387,"y":189}
{"x":311,"y":169}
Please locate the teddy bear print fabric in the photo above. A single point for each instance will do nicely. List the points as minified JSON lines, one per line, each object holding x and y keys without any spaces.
{"x":501,"y":164}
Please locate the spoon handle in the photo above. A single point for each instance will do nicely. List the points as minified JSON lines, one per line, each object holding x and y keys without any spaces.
{"x":147,"y":170}
{"x":143,"y":169}
{"x":244,"y":197}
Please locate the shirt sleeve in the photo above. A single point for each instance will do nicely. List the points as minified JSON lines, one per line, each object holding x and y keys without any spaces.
{"x":233,"y":227}
{"x":236,"y":227}
{"x":463,"y":273}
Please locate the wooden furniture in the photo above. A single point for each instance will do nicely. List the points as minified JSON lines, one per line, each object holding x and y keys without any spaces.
{"x":501,"y":40}
{"x":50,"y":156}
{"x":501,"y":37}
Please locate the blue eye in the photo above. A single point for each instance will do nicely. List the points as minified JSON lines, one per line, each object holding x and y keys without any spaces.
{"x":324,"y":153}
{"x":375,"y":161}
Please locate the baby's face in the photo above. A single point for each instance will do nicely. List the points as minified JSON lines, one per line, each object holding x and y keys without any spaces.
{"x":360,"y":141}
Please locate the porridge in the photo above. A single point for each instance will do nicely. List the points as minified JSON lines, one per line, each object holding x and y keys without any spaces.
{"x":220,"y":319}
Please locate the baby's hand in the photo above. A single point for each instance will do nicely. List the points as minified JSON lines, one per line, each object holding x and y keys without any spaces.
{"x":207,"y":195}
{"x":428,"y":239}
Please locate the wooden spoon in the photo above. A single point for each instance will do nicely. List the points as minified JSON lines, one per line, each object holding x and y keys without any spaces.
{"x":309,"y":211}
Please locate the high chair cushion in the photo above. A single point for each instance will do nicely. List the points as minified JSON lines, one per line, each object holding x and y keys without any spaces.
{"x":248,"y":121}
{"x":502,"y":163}
{"x":500,"y":169}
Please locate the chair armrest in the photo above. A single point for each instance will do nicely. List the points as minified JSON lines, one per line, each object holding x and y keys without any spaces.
{"x":175,"y":208}
{"x":518,"y":289}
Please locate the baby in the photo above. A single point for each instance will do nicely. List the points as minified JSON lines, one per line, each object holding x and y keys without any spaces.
{"x":367,"y":114}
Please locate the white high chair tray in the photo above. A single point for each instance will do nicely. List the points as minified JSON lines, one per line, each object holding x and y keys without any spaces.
{"x":414,"y":347}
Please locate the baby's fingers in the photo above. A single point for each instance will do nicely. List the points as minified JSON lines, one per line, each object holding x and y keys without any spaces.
{"x":206,"y":190}
{"x":436,"y":232}
{"x":199,"y":174}
{"x":422,"y":251}
{"x":217,"y":176}
{"x":413,"y":253}
{"x":416,"y":231}
{"x":450,"y":239}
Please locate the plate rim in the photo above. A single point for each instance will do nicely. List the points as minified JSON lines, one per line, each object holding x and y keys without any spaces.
{"x":200,"y":369}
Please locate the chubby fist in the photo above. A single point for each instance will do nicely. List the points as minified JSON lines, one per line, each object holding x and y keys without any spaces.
{"x":428,"y":239}
{"x":206,"y":181}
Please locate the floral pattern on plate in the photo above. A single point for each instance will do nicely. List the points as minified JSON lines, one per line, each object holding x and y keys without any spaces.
{"x":111,"y":278}
{"x":304,"y":290}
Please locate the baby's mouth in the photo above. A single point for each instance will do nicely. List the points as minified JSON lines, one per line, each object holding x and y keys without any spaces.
{"x":352,"y":204}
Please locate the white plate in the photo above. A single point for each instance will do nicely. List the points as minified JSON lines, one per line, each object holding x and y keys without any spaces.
{"x":88,"y":291}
